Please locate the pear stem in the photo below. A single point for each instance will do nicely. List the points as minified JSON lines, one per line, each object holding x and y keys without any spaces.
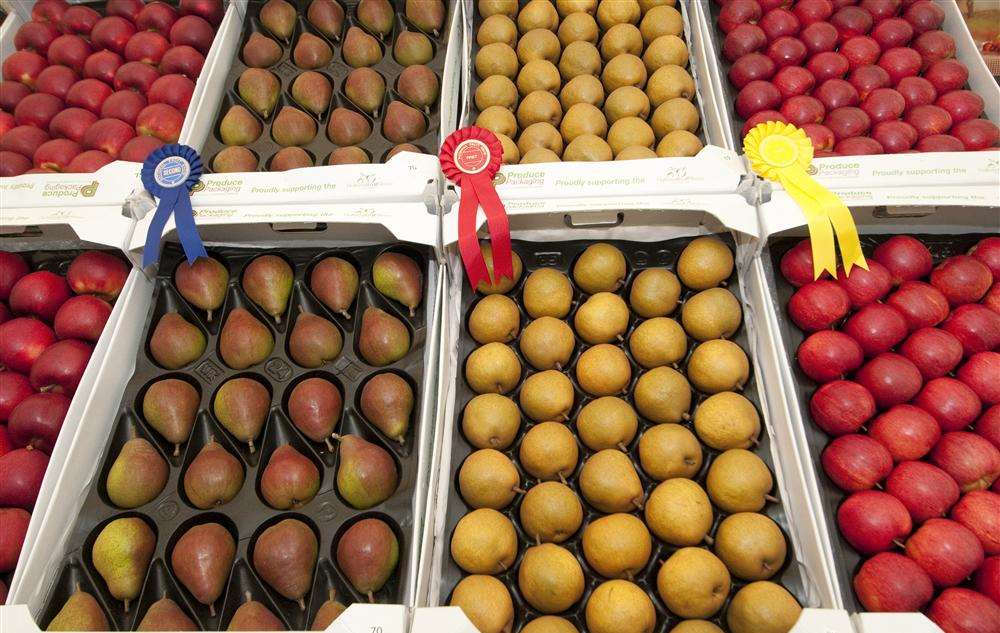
{"x":208,"y":315}
{"x":277,"y":319}
{"x":247,"y":596}
{"x":77,"y":588}
{"x":177,"y":449}
{"x":371,"y":598}
{"x":412,"y":311}
{"x":637,"y":503}
{"x":771,"y":498}
{"x":400,"y":439}
{"x":622,"y":447}
{"x":344,"y":313}
{"x":686,"y":416}
{"x":332,"y":594}
{"x":519,"y":490}
{"x":561,"y":477}
{"x":709,"y":540}
{"x":211,"y":609}
{"x":329,"y":444}
{"x":253,"y":449}
{"x":302,"y":604}
{"x":126,"y":604}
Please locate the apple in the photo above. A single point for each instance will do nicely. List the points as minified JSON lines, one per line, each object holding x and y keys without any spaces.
{"x":736,"y":12}
{"x":883,"y":104}
{"x":988,"y":425}
{"x":37,"y":420}
{"x":980,"y":373}
{"x":12,"y":268}
{"x":872,"y":521}
{"x":976,"y":134}
{"x":934,"y":352}
{"x":13,"y":164}
{"x":15,"y":522}
{"x":14,"y":388}
{"x":743,"y":40}
{"x":23,"y":140}
{"x":37,"y":109}
{"x":856,"y":462}
{"x":877,"y":328}
{"x":56,"y":154}
{"x":860,"y":50}
{"x":890,"y":378}
{"x":124,"y":105}
{"x":892,"y":33}
{"x":947,"y":550}
{"x":35,"y":36}
{"x":953,"y":404}
{"x":751,"y":67}
{"x":987,"y":251}
{"x":841,"y":407}
{"x":868,"y":78}
{"x":925,"y":490}
{"x":828,"y":355}
{"x":979,"y":511}
{"x":71,"y":123}
{"x":964,"y":611}
{"x":906,"y":431}
{"x":859,"y":146}
{"x":797,"y":264}
{"x":916,"y":91}
{"x":779,"y":23}
{"x":160,"y":120}
{"x":892,"y":582}
{"x":762,"y":117}
{"x":924,"y":16}
{"x":802,"y":109}
{"x":135,"y":76}
{"x":39,"y":294}
{"x":69,"y":50}
{"x":23,"y":66}
{"x":112,"y":33}
{"x":147,"y":47}
{"x":173,"y":90}
{"x":988,"y":578}
{"x":847,"y":122}
{"x":195,"y":32}
{"x":971,"y":460}
{"x":940,"y":143}
{"x":906,"y":258}
{"x":828,"y":65}
{"x":812,"y":11}
{"x":185,"y":60}
{"x":921,"y":304}
{"x":975,"y":326}
{"x":895,"y":137}
{"x":792,"y":81}
{"x":992,"y":298}
{"x":21,"y":473}
{"x":88,"y":94}
{"x":129,"y":9}
{"x":78,"y":20}
{"x":82,"y":317}
{"x":934,"y":46}
{"x":88,"y":162}
{"x":97,"y":273}
{"x":820,"y":135}
{"x":211,"y":10}
{"x":60,"y":367}
{"x":962,"y":105}
{"x":139,"y":148}
{"x":156,"y":16}
{"x":55,"y":81}
{"x":929,"y":119}
{"x":11,"y":92}
{"x":755,"y":97}
{"x":881,"y":9}
{"x":109,"y":136}
{"x":787,"y":51}
{"x":818,"y":305}
{"x":819,"y":37}
{"x":947,"y":75}
{"x":851,"y":21}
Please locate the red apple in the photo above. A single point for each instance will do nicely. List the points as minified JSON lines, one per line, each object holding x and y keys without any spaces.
{"x":21,"y":474}
{"x":56,"y":154}
{"x":55,"y":81}
{"x":856,"y":462}
{"x":109,"y":136}
{"x":962,"y":279}
{"x":37,"y":109}
{"x":906,"y":258}
{"x":929,"y":119}
{"x":851,"y":21}
{"x":129,"y":9}
{"x":976,"y":134}
{"x":847,"y":122}
{"x":987,"y":250}
{"x":797,"y":264}
{"x":135,"y":76}
{"x":883,"y":104}
{"x":160,"y":120}
{"x":934,"y":46}
{"x":13,"y":164}
{"x":906,"y":431}
{"x":147,"y":47}
{"x":811,"y":11}
{"x":23,"y":66}
{"x":139,"y":148}
{"x":211,"y":10}
{"x":112,"y":33}
{"x":82,"y":317}
{"x":890,"y":378}
{"x":792,"y":81}
{"x":79,"y":20}
{"x":895,"y":137}
{"x":837,"y":93}
{"x":37,"y":420}
{"x":953,"y":404}
{"x":195,"y":32}
{"x":803,"y":109}
{"x":828,"y":355}
{"x":947,"y":75}
{"x":892,"y":582}
{"x":12,"y":268}
{"x":750,"y":67}
{"x":900,"y":62}
{"x":23,"y":140}
{"x":962,"y":105}
{"x":992,"y":298}
{"x":841,"y":407}
{"x":173,"y":90}
{"x":39,"y":294}
{"x":743,"y":40}
{"x":947,"y":550}
{"x":921,"y":304}
{"x":60,"y":367}
{"x":868,"y":78}
{"x":872,"y":521}
{"x":124,"y":105}
{"x":88,"y":162}
{"x":988,"y":579}
{"x":819,"y":37}
{"x":877,"y":328}
{"x":787,"y":51}
{"x":916,"y":91}
{"x":828,"y":65}
{"x":736,"y":12}
{"x":88,"y":94}
{"x":979,"y":511}
{"x":156,"y":16}
{"x":71,"y":123}
{"x":940,"y":143}
{"x":925,"y":490}
{"x":820,"y":135}
{"x":859,"y":146}
{"x":934,"y":352}
{"x":924,"y":16}
{"x":892,"y":33}
{"x":762,"y":117}
{"x":182,"y":60}
{"x":971,"y":460}
{"x":22,"y":340}
{"x":860,"y":50}
{"x":35,"y":36}
{"x":778,"y":23}
{"x":988,"y":425}
{"x":11,"y":93}
{"x":15,"y":522}
{"x":97,"y":273}
{"x":964,"y":611}
{"x":881,"y":9}
{"x":69,"y":50}
{"x":14,"y":388}
{"x":975,"y":326}
{"x":818,"y":305}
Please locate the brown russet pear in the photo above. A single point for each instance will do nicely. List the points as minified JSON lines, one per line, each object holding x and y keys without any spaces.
{"x":241,"y":405}
{"x":398,"y":277}
{"x":203,"y":283}
{"x":368,"y":553}
{"x":290,"y":479}
{"x":739,"y":481}
{"x":658,"y":341}
{"x":762,"y":607}
{"x":718,"y":365}
{"x":137,"y":475}
{"x":383,"y":339}
{"x":619,"y":606}
{"x":550,"y":623}
{"x":548,"y":451}
{"x":496,"y":90}
{"x":496,"y":59}
{"x":547,"y":343}
{"x":334,"y":281}
{"x":329,"y":611}
{"x":260,"y":89}
{"x":539,"y":107}
{"x":311,"y":52}
{"x":582,"y":119}
{"x":662,"y":395}
{"x":314,"y":408}
{"x":693,"y":583}
{"x":602,"y":318}
{"x":80,"y":612}
{"x":238,"y":127}
{"x":366,"y":473}
{"x":327,"y":16}
{"x":705,"y":263}
{"x":603,"y":370}
{"x":234,"y":159}
{"x":347,"y":127}
{"x":538,"y":44}
{"x":751,"y":545}
{"x":727,"y":420}
{"x":293,"y":127}
{"x":664,"y":50}
{"x":284,"y":556}
{"x":254,"y":616}
{"x":621,"y":38}
{"x":582,"y":89}
{"x":547,"y":395}
{"x":412,"y":48}
{"x":365,"y":88}
{"x":213,"y":478}
{"x":348,"y":156}
{"x":578,"y":26}
{"x":497,"y":28}
{"x":290,"y":158}
{"x":669,"y":82}
{"x":617,"y":545}
{"x":491,"y":421}
{"x":501,"y":285}
{"x":360,"y":49}
{"x":278,"y":17}
{"x":627,"y":101}
{"x":402,"y":123}
{"x":314,"y":341}
{"x":121,"y":555}
{"x":712,"y":313}
{"x":588,"y":147}
{"x":494,"y":319}
{"x":539,"y":155}
{"x":537,"y":14}
{"x":607,"y":422}
{"x":550,"y":512}
{"x":497,"y":7}
{"x":547,"y":292}
{"x":679,"y":143}
{"x":426,"y":14}
{"x":484,"y":542}
{"x":484,"y":599}
{"x":375,"y":15}
{"x":244,"y":340}
{"x":600,"y":268}
{"x":550,"y":578}
{"x":580,"y":58}
{"x":696,"y":626}
{"x":493,"y":368}
{"x":670,"y":450}
{"x":201,"y":561}
{"x":678,"y":511}
{"x":260,"y":51}
{"x":655,"y":292}
{"x":387,"y":402}
{"x":170,"y":406}
{"x":166,"y":615}
{"x":176,"y":342}
{"x":419,"y":86}
{"x":488,"y":479}
{"x":313,"y":91}
{"x":673,"y":115}
{"x":609,"y":482}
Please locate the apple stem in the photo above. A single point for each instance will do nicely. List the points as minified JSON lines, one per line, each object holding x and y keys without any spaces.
{"x":400,"y":439}
{"x":277,"y":319}
{"x":898,"y":543}
{"x":336,"y":436}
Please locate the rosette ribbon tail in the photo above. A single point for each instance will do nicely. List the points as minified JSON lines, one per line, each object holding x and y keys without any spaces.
{"x":169,"y":173}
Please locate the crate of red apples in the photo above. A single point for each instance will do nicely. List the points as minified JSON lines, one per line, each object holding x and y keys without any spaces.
{"x":868,"y":77}
{"x":96,"y":82}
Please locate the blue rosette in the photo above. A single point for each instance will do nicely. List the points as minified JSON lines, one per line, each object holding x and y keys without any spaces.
{"x":169,"y":173}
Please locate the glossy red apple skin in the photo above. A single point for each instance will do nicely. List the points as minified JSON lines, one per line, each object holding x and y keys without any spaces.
{"x":977,"y":134}
{"x":97,"y":273}
{"x":22,"y":340}
{"x":820,"y":135}
{"x":810,"y":11}
{"x":60,"y":367}
{"x":191,"y":30}
{"x":13,"y":267}
{"x":906,"y":258}
{"x":173,"y":90}
{"x":962,"y":279}
{"x":757,"y":96}
{"x":23,"y":140}
{"x":980,"y":374}
{"x":979,"y":512}
{"x":793,"y":80}
{"x":947,"y":550}
{"x":841,"y":407}
{"x":737,"y":12}
{"x":56,"y":154}
{"x":965,"y":611}
{"x":987,"y":251}
{"x":992,"y":298}
{"x":124,"y":105}
{"x":55,"y":81}
{"x":934,"y":352}
{"x":15,"y":522}
{"x":36,"y":422}
{"x":210,"y":10}
{"x":828,"y":355}
{"x":929,"y":120}
{"x":13,"y":164}
{"x":762,"y":117}
{"x":108,"y":135}
{"x":906,"y":431}
{"x":892,"y":582}
{"x":896,"y":137}
{"x":135,"y":76}
{"x":847,"y":122}
{"x":72,"y":123}
{"x":23,"y":66}
{"x":916,"y":91}
{"x":37,"y":109}
{"x":157,"y":16}
{"x":921,"y":304}
{"x":975,"y":326}
{"x":11,"y":93}
{"x":88,"y":94}
{"x":828,"y":65}
{"x":147,"y":47}
{"x":819,"y":37}
{"x":988,"y":425}
{"x":868,"y":78}
{"x":139,"y":148}
{"x":112,"y":33}
{"x":803,"y":109}
{"x":924,"y":16}
{"x":877,"y":328}
{"x":797,"y":264}
{"x":860,"y":50}
{"x":89,"y":161}
{"x":851,"y":21}
{"x":182,"y":60}
{"x":82,"y":317}
{"x":925,"y":490}
{"x":129,"y":9}
{"x":940,"y":143}
{"x":871,"y":520}
{"x":892,"y":33}
{"x":947,"y":75}
{"x":934,"y":46}
{"x":69,"y":50}
{"x":779,"y":22}
{"x":35,"y":36}
{"x":818,"y":305}
{"x":39,"y":294}
{"x":79,"y":20}
{"x":743,"y":40}
{"x":21,"y":473}
{"x":787,"y":51}
{"x":883,"y":104}
{"x":751,"y":67}
{"x":987,"y":581}
{"x":969,"y":459}
{"x":890,"y":378}
{"x":14,"y":388}
{"x":856,"y":462}
{"x":952,"y":403}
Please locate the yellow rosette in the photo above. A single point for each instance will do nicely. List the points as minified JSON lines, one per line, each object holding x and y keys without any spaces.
{"x":782,"y":153}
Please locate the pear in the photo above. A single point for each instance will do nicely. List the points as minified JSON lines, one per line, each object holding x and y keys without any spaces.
{"x":617,"y":545}
{"x":238,"y":127}
{"x":313,"y":91}
{"x":550,"y":512}
{"x":496,"y":90}
{"x":660,"y":21}
{"x":569,"y":7}
{"x":603,"y":370}
{"x":427,"y":15}
{"x":311,"y":52}
{"x":170,"y":406}
{"x":484,"y":599}
{"x":290,"y":158}
{"x":547,"y":395}
{"x":360,"y":49}
{"x":739,"y":481}
{"x":334,"y":281}
{"x":402,"y":123}
{"x":673,"y":115}
{"x":762,"y":607}
{"x":609,"y":482}
{"x":419,"y":86}
{"x":488,"y":479}
{"x":549,"y":623}
{"x":494,"y":7}
{"x":491,"y":421}
{"x":241,"y":405}
{"x":376,"y":16}
{"x":580,"y":58}
{"x":81,"y":612}
{"x":278,"y":17}
{"x":602,"y":318}
{"x":679,"y":512}
{"x":751,"y":545}
{"x":260,"y":89}
{"x":705,"y":263}
{"x":293,"y":127}
{"x":137,"y":475}
{"x":368,"y":553}
{"x":679,"y":143}
{"x":655,"y":292}
{"x":387,"y":402}
{"x":329,"y":611}
{"x":504,"y":284}
{"x":366,"y":89}
{"x":327,"y":16}
{"x":693,"y":583}
{"x":399,"y":278}
{"x":588,"y":147}
{"x":366,"y":474}
{"x":607,"y":422}
{"x":626,"y":102}
{"x":166,"y":615}
{"x":260,"y":51}
{"x":537,"y":14}
{"x":619,"y":606}
{"x":662,"y":395}
{"x":718,"y":365}
{"x":664,"y":50}
{"x":582,"y":89}
{"x":213,"y":478}
{"x":234,"y":159}
{"x":727,"y":420}
{"x":314,"y":408}
{"x":412,"y":48}
{"x":494,"y":319}
{"x":121,"y":555}
{"x":547,"y":292}
{"x":383,"y":339}
{"x":712,"y":313}
{"x":347,"y":127}
{"x":583,"y":119}
{"x":578,"y":27}
{"x":244,"y":340}
{"x":254,"y":616}
{"x":496,"y":59}
{"x":547,"y":343}
{"x":314,"y":341}
{"x":550,"y":578}
{"x":290,"y":479}
{"x":284,"y":556}
{"x":176,"y":342}
{"x":538,"y":44}
{"x":484,"y":542}
{"x":619,"y":39}
{"x":635,"y":153}
{"x":623,"y":70}
{"x":657,"y":342}
{"x":348,"y":156}
{"x":630,"y":131}
{"x":203,"y":283}
{"x":696,"y":626}
{"x":201,"y":561}
{"x":493,"y":368}
{"x":548,"y":451}
{"x":497,"y":28}
{"x":670,"y":450}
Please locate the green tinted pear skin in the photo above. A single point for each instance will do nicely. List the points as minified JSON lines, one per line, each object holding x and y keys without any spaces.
{"x":367,"y":474}
{"x":260,"y":90}
{"x":328,"y":612}
{"x":398,"y":277}
{"x":360,"y":49}
{"x":201,"y":561}
{"x":427,"y":15}
{"x":241,"y":405}
{"x":383,"y":339}
{"x":368,"y":553}
{"x":175,"y":342}
{"x":244,"y":340}
{"x":327,"y":16}
{"x":260,"y":51}
{"x":376,"y":15}
{"x":238,"y":127}
{"x":290,"y":479}
{"x":387,"y":402}
{"x":253,"y":616}
{"x":121,"y":555}
{"x":314,"y":341}
{"x":267,"y":280}
{"x":203,"y":284}
{"x":284,"y":556}
{"x":137,"y":475}
{"x":81,"y":612}
{"x":334,"y":281}
{"x":278,"y":17}
{"x":170,"y":406}
{"x":213,"y":478}
{"x":165,"y":615}
{"x":314,"y":408}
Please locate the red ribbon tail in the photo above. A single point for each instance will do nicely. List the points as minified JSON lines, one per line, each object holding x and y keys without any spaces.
{"x":496,"y":218}
{"x":468,"y":242}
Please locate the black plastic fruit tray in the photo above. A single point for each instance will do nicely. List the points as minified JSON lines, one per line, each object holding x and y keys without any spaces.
{"x":561,"y":256}
{"x":847,"y":558}
{"x":376,"y":145}
{"x":247,"y":515}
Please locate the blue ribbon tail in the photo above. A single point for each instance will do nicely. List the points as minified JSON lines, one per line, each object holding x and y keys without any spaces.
{"x":187,"y":231}
{"x":151,"y":250}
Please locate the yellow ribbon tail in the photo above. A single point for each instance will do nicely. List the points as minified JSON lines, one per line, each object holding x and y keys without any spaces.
{"x":808,"y":194}
{"x":847,"y":233}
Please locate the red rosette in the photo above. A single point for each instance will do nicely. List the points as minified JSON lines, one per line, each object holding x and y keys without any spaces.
{"x":470,"y":158}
